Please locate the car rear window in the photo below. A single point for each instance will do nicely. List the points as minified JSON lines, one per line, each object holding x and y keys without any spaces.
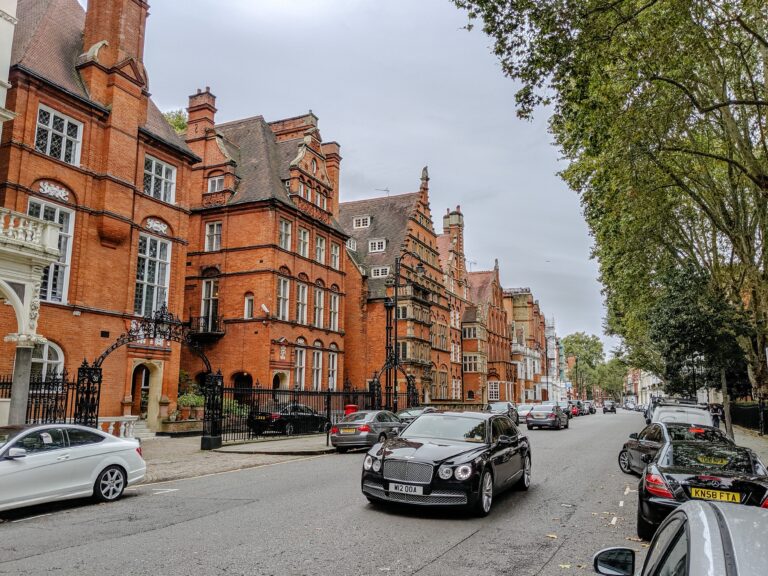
{"x":693,"y":433}
{"x":716,"y":457}
{"x":544,"y":408}
{"x":357,"y":417}
{"x":685,"y":415}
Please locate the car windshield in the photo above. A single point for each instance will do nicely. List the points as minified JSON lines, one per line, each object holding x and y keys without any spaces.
{"x":686,"y":415}
{"x":408,"y":413}
{"x":446,"y":427}
{"x":688,"y":433}
{"x":8,"y":433}
{"x":497,"y":407}
{"x":708,"y":457}
{"x":357,"y":417}
{"x":544,"y":408}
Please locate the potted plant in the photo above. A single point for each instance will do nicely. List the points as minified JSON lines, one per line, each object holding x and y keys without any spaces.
{"x":185,"y":403}
{"x":198,"y":408}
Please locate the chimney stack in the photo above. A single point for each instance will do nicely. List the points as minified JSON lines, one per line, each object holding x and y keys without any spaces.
{"x":119,"y":26}
{"x":201,"y":113}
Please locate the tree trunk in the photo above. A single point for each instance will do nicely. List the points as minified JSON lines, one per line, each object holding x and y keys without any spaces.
{"x":726,"y":404}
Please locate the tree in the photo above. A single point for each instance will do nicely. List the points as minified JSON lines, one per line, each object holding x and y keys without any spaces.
{"x":660,"y":109}
{"x":587,"y":350}
{"x":610,"y":377}
{"x":177,"y":119}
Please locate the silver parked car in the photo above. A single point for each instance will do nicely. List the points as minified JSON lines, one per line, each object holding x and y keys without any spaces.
{"x":364,"y":428}
{"x":44,"y":463}
{"x":698,"y":538}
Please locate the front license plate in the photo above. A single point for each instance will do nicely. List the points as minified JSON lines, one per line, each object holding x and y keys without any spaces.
{"x":405,"y":488}
{"x":705,"y":494}
{"x":348,"y":430}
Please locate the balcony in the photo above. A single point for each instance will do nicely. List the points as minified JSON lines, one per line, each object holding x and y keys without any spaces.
{"x":206,"y":327}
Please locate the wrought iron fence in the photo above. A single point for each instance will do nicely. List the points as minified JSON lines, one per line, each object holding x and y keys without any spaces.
{"x":748,"y":415}
{"x":6,"y":382}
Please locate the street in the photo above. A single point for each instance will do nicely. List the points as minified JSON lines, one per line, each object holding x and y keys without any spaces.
{"x":308,"y":516}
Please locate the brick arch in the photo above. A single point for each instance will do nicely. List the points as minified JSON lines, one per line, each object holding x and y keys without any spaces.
{"x":334,"y":288}
{"x":303,"y":277}
{"x":318,"y":343}
{"x":319,"y":283}
{"x":211,"y":272}
{"x":284,"y":270}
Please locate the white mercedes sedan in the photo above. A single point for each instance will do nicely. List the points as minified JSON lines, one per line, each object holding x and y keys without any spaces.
{"x":48,"y":462}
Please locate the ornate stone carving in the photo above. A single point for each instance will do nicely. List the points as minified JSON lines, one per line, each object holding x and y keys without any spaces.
{"x":282,"y":352}
{"x":54,"y":191}
{"x":157,"y":226}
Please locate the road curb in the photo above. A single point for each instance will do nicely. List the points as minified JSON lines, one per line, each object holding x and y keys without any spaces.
{"x":280,"y":453}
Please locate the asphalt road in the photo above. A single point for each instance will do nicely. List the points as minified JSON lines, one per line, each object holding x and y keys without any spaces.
{"x":307,"y":516}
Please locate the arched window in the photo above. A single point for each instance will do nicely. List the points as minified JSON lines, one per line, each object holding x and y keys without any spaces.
{"x":47,"y":360}
{"x":317,"y":366}
{"x":470,"y":395}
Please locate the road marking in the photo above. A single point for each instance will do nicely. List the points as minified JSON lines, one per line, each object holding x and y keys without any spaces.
{"x":627,"y":490}
{"x":157,"y":491}
{"x":31,"y":518}
{"x":613,"y":521}
{"x":621,"y":504}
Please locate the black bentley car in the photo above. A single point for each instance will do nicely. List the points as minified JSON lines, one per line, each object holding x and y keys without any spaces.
{"x":698,"y":470}
{"x":449,"y":459}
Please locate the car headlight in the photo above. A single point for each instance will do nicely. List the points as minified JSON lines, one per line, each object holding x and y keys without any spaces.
{"x":376,"y":465}
{"x":463,"y":472}
{"x":368,"y":462}
{"x":445,"y":472}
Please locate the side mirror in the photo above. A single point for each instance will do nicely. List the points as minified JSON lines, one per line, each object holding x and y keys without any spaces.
{"x":633,"y":435}
{"x":646,"y":458}
{"x":615,"y":562}
{"x":14,"y":453}
{"x":647,"y":420}
{"x":505,"y":440}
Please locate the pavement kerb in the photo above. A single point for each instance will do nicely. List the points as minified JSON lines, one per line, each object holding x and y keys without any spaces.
{"x":288,"y":452}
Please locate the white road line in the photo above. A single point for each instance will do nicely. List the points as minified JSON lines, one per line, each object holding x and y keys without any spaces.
{"x":613,"y":521}
{"x":621,"y":504}
{"x":156,"y":491}
{"x":31,"y":518}
{"x":627,"y":490}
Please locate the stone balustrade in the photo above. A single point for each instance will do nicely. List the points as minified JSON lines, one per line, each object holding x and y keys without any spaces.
{"x":34,"y":232}
{"x":120,"y":426}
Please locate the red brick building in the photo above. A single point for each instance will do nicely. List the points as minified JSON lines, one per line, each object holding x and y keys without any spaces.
{"x":265,"y":273}
{"x":90,"y":150}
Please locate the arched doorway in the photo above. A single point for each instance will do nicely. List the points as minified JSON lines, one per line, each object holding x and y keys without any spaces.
{"x":140,"y":391}
{"x":280,"y":381}
{"x":243,"y":384}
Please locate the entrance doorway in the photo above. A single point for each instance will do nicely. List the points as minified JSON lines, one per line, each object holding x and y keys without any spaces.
{"x":140,"y":391}
{"x":243,"y":383}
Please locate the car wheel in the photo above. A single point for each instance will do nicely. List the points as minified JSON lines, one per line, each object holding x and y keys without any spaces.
{"x":525,"y":480}
{"x":624,"y":462}
{"x":567,"y":424}
{"x":288,"y":430}
{"x":341,"y":450}
{"x":645,"y":529}
{"x":485,"y":494}
{"x":110,"y":484}
{"x":530,"y":427}
{"x":559,"y":425}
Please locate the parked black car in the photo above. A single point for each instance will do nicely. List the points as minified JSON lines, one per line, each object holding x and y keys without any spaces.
{"x":506,"y":408}
{"x":449,"y":459}
{"x":547,"y":416}
{"x":698,"y":470}
{"x":609,"y":406}
{"x":288,"y":419}
{"x":410,"y":414}
{"x":654,"y":437}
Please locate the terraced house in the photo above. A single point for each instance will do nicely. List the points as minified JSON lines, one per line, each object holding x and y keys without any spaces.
{"x":265,"y":274}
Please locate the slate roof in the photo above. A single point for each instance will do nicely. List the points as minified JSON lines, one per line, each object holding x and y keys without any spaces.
{"x":481,"y":286}
{"x":48,"y":41}
{"x":444,"y":250}
{"x":389,"y":220}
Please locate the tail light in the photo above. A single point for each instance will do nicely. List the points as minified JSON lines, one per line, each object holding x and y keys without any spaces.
{"x":274,"y":415}
{"x":655,"y":484}
{"x":696,"y":430}
{"x":138,"y":451}
{"x":765,"y":503}
{"x":335,"y":430}
{"x":364,"y":428}
{"x":551,"y":416}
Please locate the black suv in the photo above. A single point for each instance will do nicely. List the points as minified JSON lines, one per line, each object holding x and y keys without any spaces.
{"x":609,"y":406}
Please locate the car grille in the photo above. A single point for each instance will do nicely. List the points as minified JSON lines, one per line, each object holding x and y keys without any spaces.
{"x":403,"y":471}
{"x":437,"y":498}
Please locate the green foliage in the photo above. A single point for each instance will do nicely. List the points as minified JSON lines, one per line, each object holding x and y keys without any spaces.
{"x":232,"y":407}
{"x":588,"y":350}
{"x":190,"y":400}
{"x":660,"y":109}
{"x":610,"y":375}
{"x":177,"y":119}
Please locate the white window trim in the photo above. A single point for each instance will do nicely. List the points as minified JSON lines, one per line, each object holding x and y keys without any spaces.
{"x":320,"y":249}
{"x":68,"y":256}
{"x":302,"y":244}
{"x":287,"y":236}
{"x":333,"y":366}
{"x":335,"y":256}
{"x":361,"y":222}
{"x":493,"y":391}
{"x":379,"y":271}
{"x":78,"y":142}
{"x":248,"y":302}
{"x":283,"y":311}
{"x":333,"y":312}
{"x":352,"y":244}
{"x":377,"y":245}
{"x":172,"y":197}
{"x":47,"y":364}
{"x":213,"y":183}
{"x":211,"y":236}
{"x":167,"y":276}
{"x":319,"y":308}
{"x":317,"y":369}
{"x":301,"y":303}
{"x":299,"y":367}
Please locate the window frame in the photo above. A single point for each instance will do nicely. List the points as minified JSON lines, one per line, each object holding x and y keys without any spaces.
{"x":318,"y":308}
{"x":151,"y":173}
{"x":299,"y":366}
{"x":212,"y":237}
{"x":78,"y":142}
{"x":166,"y":287}
{"x":333,"y":312}
{"x":283,"y":298}
{"x":359,"y":222}
{"x":333,"y":368}
{"x":379,"y":271}
{"x":45,"y":363}
{"x":284,"y":233}
{"x":377,"y":245}
{"x":335,"y":261}
{"x":302,"y":242}
{"x":67,"y":253}
{"x":248,"y":306}
{"x":213,"y":182}
{"x":317,"y":369}
{"x":301,"y":303}
{"x":320,"y":244}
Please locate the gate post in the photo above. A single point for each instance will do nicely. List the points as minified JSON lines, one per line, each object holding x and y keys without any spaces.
{"x":87,"y":394}
{"x":213,"y":390}
{"x":413,"y":395}
{"x":374,"y":387}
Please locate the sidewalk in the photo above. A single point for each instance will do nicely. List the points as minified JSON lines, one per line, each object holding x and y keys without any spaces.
{"x":751,"y":439}
{"x":176,"y":458}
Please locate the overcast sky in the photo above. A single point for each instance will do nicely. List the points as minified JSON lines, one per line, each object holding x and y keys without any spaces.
{"x":399,"y":84}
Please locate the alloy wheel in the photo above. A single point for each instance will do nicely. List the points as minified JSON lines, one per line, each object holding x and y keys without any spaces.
{"x":487,"y":492}
{"x":289,"y":429}
{"x":527,"y":472}
{"x":110,"y":484}
{"x":624,"y":462}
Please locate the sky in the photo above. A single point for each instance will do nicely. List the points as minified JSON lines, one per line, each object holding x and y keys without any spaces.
{"x":400,"y":85}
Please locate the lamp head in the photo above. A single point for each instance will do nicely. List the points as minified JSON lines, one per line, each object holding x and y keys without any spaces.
{"x":420,"y":269}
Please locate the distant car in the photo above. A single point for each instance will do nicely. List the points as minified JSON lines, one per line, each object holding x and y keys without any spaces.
{"x":575,"y":410}
{"x":504,"y":408}
{"x":44,"y":463}
{"x":566,"y":407}
{"x":609,"y":406}
{"x":449,"y":459}
{"x":629,"y":406}
{"x":687,"y":414}
{"x":364,"y":428}
{"x":288,"y":419}
{"x":655,"y":436}
{"x":546,"y":416}
{"x":685,"y":471}
{"x":588,"y":407}
{"x":698,"y":538}
{"x":523,"y":409}
{"x":410,"y":414}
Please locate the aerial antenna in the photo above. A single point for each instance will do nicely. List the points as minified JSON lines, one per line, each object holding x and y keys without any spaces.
{"x":471,"y":262}
{"x":383,"y":190}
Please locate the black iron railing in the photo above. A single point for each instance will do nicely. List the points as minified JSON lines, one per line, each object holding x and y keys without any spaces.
{"x":206,"y":325}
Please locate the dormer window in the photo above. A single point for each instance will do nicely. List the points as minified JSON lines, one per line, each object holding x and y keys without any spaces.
{"x":216,"y":184}
{"x":352,"y":244}
{"x":380,"y":272}
{"x":361,"y":222}
{"x":377,"y":245}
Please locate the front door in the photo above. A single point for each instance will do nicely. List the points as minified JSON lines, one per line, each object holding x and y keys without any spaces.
{"x":140,"y":391}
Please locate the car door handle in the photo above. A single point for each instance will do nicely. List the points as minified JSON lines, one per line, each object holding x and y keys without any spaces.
{"x":62,"y":458}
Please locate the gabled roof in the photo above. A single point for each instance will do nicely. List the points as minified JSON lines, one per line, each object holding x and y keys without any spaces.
{"x":444,"y":251}
{"x":389,"y":220}
{"x":48,"y":41}
{"x":481,"y":286}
